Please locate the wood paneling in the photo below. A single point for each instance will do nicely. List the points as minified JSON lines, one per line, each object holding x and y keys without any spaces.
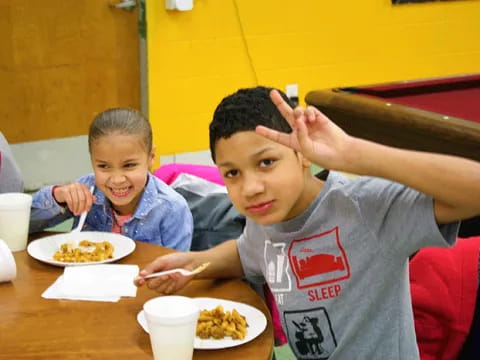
{"x":61,"y":63}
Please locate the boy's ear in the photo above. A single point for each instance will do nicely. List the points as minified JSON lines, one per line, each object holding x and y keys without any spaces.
{"x":305,"y":162}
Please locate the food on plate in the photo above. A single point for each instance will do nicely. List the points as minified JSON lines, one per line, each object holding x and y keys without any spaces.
{"x":218,"y":323}
{"x":88,"y":251}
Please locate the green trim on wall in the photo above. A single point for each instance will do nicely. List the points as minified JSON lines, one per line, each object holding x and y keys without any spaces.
{"x":142,"y":19}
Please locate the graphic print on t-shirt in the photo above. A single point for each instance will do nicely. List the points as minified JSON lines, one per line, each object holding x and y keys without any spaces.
{"x":276,"y":266}
{"x":310,"y":333}
{"x":312,"y":265}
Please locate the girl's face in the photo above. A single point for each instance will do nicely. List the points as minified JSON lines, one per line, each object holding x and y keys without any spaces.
{"x":121,"y":164}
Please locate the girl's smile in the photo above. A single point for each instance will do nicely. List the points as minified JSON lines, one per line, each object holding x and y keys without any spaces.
{"x":120,"y":193}
{"x":121,"y":164}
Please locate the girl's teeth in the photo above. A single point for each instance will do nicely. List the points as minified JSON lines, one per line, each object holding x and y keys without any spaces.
{"x":120,"y":191}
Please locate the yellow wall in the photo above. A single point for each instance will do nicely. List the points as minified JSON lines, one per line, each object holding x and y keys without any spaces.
{"x":197,"y":57}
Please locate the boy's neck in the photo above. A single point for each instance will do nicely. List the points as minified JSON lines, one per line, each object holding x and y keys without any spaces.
{"x":313,"y":187}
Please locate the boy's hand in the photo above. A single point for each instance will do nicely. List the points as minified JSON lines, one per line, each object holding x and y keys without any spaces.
{"x":168,"y":284}
{"x":77,"y":197}
{"x":314,"y":135}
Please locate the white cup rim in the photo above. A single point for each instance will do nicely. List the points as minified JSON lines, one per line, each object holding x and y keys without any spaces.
{"x":166,"y":310}
{"x":8,"y":266}
{"x":21,"y":201}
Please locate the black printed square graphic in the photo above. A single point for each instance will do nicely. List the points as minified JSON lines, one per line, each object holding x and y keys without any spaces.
{"x":310,"y":333}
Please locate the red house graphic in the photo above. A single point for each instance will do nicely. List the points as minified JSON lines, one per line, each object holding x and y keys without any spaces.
{"x":312,"y":265}
{"x":317,"y":264}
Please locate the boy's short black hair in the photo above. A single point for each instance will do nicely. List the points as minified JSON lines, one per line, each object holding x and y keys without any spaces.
{"x":244,"y":111}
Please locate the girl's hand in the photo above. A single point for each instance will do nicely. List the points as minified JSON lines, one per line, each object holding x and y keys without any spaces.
{"x":170,"y":283}
{"x":76,"y":196}
{"x":314,"y":135}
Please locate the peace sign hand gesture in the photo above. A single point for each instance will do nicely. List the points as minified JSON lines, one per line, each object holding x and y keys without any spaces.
{"x":314,"y":135}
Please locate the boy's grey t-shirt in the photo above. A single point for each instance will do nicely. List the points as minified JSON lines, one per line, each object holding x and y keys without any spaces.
{"x":339,"y":271}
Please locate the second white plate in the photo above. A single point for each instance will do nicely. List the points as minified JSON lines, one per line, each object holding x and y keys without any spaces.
{"x":43,"y":249}
{"x":255,"y":319}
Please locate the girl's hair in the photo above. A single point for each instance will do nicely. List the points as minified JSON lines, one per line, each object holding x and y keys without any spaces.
{"x":121,"y":121}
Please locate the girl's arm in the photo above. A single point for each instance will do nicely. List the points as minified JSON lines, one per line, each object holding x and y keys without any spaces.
{"x":176,"y":227}
{"x":45,"y":212}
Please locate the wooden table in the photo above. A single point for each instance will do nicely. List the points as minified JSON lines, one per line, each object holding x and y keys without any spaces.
{"x":32,"y":327}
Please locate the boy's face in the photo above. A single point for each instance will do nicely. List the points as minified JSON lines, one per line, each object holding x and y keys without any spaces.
{"x":121,"y":164}
{"x":266,"y":181}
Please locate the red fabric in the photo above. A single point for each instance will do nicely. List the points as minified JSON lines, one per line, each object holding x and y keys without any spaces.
{"x":409,"y":84}
{"x":118,"y":222}
{"x":444,"y":286}
{"x":278,"y":333}
{"x":458,"y":103}
{"x":169,"y":172}
{"x":456,"y":96}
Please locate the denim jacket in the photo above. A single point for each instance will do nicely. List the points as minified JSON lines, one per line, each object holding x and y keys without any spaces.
{"x":162,"y":215}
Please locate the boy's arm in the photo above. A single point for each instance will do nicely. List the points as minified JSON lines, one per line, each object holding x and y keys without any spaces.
{"x":453,"y":182}
{"x":224,"y":263}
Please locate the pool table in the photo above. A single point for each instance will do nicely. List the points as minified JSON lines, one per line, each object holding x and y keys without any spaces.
{"x":439,"y":115}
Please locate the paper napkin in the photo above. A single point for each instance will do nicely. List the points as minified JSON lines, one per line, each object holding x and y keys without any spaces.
{"x":103,"y":282}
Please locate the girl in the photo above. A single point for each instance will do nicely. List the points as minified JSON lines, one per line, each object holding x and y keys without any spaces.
{"x":127,"y":199}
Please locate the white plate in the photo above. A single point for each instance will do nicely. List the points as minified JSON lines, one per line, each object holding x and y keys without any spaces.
{"x":44,"y":248}
{"x":255,"y":319}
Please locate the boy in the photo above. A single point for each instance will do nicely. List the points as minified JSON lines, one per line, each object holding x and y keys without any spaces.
{"x":334,"y":252}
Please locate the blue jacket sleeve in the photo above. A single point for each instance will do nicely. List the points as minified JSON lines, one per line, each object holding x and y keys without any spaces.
{"x":45,"y":211}
{"x":176,"y":229}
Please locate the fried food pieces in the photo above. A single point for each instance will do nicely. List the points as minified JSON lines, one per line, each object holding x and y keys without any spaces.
{"x":217,"y":323}
{"x":88,"y":251}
